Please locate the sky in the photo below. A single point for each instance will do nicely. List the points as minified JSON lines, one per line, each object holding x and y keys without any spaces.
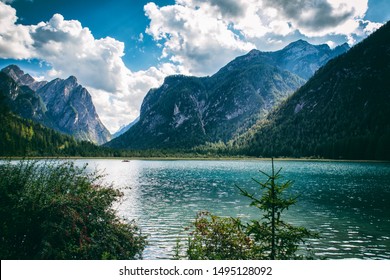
{"x":120,"y":49}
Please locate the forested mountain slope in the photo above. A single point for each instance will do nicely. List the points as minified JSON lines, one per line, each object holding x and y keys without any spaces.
{"x":189,"y":111}
{"x":343,"y":111}
{"x":23,"y":137}
{"x":63,"y":105}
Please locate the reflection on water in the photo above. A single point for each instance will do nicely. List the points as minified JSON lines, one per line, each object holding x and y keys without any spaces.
{"x":347,"y":203}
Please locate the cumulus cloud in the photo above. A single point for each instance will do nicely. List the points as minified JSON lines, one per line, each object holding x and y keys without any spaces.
{"x":313,"y":16}
{"x":15,"y":39}
{"x":202,"y":35}
{"x":71,"y":49}
{"x":95,"y":61}
{"x":194,"y":38}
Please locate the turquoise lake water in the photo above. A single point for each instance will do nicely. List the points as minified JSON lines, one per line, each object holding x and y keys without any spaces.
{"x":347,"y":203}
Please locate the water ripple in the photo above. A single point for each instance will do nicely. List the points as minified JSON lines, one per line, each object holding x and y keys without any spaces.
{"x":347,"y":203}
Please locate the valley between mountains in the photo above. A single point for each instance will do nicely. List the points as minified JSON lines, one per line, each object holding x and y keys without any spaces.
{"x":301,"y":101}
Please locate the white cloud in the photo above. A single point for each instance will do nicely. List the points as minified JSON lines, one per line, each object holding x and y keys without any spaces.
{"x":71,"y":49}
{"x":123,"y":106}
{"x":369,"y":27}
{"x":196,"y":36}
{"x":15,"y":39}
{"x":202,"y":35}
{"x":331,"y":44}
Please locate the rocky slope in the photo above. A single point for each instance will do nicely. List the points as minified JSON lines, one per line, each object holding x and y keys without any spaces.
{"x":22,"y":100}
{"x":304,"y":59}
{"x":63,"y":105}
{"x":22,"y":78}
{"x":189,"y":111}
{"x":70,"y":106}
{"x":124,"y":128}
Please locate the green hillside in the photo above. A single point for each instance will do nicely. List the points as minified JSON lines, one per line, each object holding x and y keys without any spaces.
{"x":343,"y":111}
{"x":22,"y":137}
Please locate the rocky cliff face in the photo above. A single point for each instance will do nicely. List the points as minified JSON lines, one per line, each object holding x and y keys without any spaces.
{"x":189,"y":111}
{"x":63,"y":105}
{"x":22,"y":100}
{"x":304,"y":59}
{"x":22,"y":78}
{"x":70,"y":106}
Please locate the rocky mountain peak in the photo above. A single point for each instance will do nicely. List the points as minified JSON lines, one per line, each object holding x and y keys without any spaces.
{"x":18,"y":75}
{"x":304,"y":59}
{"x":14,"y":71}
{"x":71,"y":80}
{"x":71,"y":106}
{"x":22,"y":78}
{"x":298,"y":43}
{"x":254,"y":52}
{"x":342,"y":48}
{"x":63,"y":105}
{"x":302,"y":47}
{"x":188,"y":111}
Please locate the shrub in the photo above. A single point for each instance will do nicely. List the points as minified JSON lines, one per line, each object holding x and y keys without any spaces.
{"x":55,"y":210}
{"x":219,"y":238}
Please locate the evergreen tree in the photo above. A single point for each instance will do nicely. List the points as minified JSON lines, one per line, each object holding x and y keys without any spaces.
{"x":270,"y":237}
{"x":279,"y":239}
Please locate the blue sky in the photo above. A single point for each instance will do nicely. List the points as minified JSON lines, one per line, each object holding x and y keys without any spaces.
{"x":120,"y":49}
{"x":123,"y":20}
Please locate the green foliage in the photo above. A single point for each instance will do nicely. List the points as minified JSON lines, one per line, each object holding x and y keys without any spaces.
{"x":22,"y":137}
{"x":276,"y":237}
{"x":341,"y":112}
{"x":218,"y":238}
{"x":54,"y":210}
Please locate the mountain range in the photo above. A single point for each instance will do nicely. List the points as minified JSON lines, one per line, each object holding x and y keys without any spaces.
{"x":343,"y":111}
{"x":63,"y":105}
{"x":124,"y":128}
{"x":301,"y":101}
{"x":188,"y":111}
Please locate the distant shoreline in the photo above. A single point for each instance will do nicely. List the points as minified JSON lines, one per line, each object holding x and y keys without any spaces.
{"x":195,"y":159}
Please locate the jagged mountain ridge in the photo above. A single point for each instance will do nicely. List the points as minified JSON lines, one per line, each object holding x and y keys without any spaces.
{"x":124,"y":128}
{"x":343,"y":111}
{"x":188,"y":111}
{"x":299,"y":57}
{"x":315,"y":56}
{"x":22,"y":100}
{"x":22,"y":78}
{"x":65,"y":105}
{"x":70,"y":105}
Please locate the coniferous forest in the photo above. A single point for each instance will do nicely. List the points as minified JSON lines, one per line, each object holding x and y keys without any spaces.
{"x":342,"y":112}
{"x":327,"y":104}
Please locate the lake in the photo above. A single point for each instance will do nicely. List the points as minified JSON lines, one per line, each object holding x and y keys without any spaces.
{"x":347,"y":203}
